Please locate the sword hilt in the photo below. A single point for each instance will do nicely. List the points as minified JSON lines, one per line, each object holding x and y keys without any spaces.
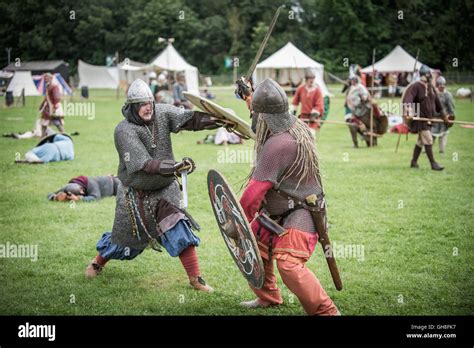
{"x":244,"y":89}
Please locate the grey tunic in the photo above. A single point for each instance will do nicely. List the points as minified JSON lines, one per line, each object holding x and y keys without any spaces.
{"x":101,"y":186}
{"x":134,"y":147}
{"x":447,"y":101}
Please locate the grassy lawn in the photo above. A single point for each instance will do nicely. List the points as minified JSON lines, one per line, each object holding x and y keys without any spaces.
{"x":415,"y":226}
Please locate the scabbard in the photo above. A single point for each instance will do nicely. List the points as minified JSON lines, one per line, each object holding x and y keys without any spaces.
{"x":321,"y":226}
{"x":316,"y":205}
{"x":328,"y":254}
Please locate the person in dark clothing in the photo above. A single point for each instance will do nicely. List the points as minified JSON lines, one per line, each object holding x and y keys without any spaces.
{"x":420,"y":100}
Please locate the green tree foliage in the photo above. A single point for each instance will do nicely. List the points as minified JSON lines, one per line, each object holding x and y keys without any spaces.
{"x":207,"y":31}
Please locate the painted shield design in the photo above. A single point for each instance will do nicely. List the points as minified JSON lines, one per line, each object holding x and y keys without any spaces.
{"x":235,"y":229}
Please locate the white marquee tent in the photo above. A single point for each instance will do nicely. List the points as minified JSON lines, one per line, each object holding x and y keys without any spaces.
{"x":130,"y":70}
{"x":22,"y":79}
{"x":288,"y":64}
{"x":169,"y":59}
{"x":398,"y":60}
{"x":97,"y":76}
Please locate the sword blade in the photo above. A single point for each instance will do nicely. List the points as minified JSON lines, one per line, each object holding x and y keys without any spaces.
{"x":184,"y":183}
{"x":248,"y":76}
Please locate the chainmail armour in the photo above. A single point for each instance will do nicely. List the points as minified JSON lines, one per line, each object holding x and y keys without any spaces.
{"x":276,"y":157}
{"x":136,"y":145}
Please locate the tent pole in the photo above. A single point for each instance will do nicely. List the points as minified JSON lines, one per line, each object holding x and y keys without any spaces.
{"x":372,"y":106}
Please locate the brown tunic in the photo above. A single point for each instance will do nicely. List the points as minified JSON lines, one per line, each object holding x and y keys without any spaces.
{"x":424,"y":101}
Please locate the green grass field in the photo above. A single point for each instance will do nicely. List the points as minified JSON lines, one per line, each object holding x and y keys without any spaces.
{"x":415,"y":226}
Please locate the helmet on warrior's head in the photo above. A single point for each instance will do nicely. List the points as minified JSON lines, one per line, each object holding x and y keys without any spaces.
{"x":270,"y":103}
{"x":139,"y":92}
{"x":441,"y":81}
{"x":425,"y":71}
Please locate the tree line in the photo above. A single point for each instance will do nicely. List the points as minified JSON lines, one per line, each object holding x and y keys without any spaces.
{"x":206,"y":32}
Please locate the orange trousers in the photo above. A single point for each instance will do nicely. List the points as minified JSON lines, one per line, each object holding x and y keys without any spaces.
{"x":300,"y":280}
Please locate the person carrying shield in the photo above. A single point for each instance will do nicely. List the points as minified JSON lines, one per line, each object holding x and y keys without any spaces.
{"x":359,"y":105}
{"x":283,"y":184}
{"x":148,"y":209}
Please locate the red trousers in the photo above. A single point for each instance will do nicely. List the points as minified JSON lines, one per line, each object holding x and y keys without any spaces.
{"x":291,"y":252}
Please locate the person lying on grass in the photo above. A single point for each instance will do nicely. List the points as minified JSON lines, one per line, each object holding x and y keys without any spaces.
{"x":86,"y":188}
{"x":53,"y":148}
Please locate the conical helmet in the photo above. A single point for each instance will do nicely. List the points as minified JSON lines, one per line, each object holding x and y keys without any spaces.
{"x":139,"y":92}
{"x":269,"y":101}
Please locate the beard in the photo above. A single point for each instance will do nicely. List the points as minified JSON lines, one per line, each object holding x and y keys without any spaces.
{"x":147,"y":116}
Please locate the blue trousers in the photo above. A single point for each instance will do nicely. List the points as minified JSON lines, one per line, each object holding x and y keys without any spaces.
{"x":175,"y":240}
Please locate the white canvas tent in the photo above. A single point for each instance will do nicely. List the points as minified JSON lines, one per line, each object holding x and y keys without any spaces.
{"x":40,"y":84}
{"x":288,"y":64}
{"x":97,"y":76}
{"x":398,"y":60}
{"x":130,"y":70}
{"x":169,"y":59}
{"x":6,"y":74}
{"x":22,"y":80}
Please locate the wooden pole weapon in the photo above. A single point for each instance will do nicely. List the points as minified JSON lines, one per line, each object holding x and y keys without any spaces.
{"x":372,"y":106}
{"x":437,"y":120}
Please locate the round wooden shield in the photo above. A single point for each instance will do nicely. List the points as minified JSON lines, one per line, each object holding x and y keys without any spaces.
{"x":240,"y":127}
{"x":235,"y":229}
{"x":354,"y":102}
